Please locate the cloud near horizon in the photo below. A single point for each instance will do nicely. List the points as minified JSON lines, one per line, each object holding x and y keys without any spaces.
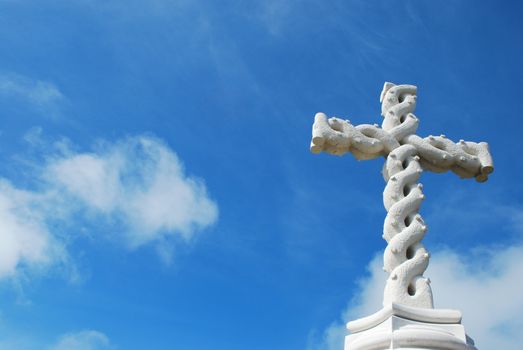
{"x":25,"y":238}
{"x":137,"y":185}
{"x":484,"y":284}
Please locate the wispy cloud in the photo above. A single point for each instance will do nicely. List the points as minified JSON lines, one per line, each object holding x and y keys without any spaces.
{"x":42,"y":96}
{"x":137,"y":185}
{"x":483,"y":283}
{"x":274,"y":13}
{"x":83,"y":340}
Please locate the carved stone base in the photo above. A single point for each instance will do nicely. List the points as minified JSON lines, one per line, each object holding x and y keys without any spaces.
{"x":402,"y":327}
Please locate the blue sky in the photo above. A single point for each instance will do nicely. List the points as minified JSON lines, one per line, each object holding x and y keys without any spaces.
{"x":157,"y":190}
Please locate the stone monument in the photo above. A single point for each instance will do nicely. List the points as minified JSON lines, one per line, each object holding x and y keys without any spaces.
{"x":408,"y":319}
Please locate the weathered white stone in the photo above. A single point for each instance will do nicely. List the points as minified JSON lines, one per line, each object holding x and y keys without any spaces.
{"x":407,"y":155}
{"x":405,"y":257}
{"x":402,"y":327}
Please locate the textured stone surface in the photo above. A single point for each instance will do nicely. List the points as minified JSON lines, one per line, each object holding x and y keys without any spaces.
{"x":402,"y":327}
{"x":407,"y":155}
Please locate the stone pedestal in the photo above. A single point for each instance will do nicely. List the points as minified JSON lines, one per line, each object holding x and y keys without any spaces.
{"x":403,"y":327}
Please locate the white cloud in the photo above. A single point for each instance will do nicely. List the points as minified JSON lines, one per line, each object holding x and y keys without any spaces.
{"x":83,"y":340}
{"x":25,"y":241}
{"x":137,"y":184}
{"x":41,"y":95}
{"x":485,"y":284}
{"x":92,"y":178}
{"x":140,"y":181}
{"x":33,"y":136}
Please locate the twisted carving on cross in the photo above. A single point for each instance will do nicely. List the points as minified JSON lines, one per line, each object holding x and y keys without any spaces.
{"x":407,"y":155}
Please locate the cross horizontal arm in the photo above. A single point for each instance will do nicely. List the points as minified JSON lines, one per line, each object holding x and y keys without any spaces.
{"x":465,"y":158}
{"x":438,"y":154}
{"x":337,"y":136}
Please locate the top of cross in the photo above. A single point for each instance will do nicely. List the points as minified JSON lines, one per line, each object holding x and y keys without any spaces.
{"x":437,"y":153}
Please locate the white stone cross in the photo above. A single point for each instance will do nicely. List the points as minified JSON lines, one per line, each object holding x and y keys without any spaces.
{"x":407,"y":155}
